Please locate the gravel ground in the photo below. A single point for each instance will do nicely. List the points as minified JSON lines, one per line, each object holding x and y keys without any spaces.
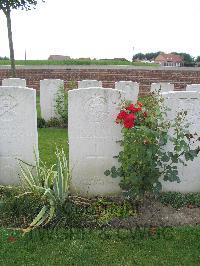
{"x":154,"y":213}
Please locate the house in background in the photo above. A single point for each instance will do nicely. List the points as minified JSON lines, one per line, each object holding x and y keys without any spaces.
{"x":59,"y":57}
{"x":172,"y":60}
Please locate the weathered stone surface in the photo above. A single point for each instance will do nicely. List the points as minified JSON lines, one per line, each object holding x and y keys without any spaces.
{"x":190,"y":174}
{"x":162,"y":87}
{"x":14,"y":82}
{"x":87,"y":83}
{"x":193,"y":87}
{"x":48,"y":91}
{"x":92,"y":140}
{"x":18,"y":131}
{"x":130,"y":88}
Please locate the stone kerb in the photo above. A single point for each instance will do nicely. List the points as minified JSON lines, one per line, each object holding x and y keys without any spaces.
{"x":130,"y":88}
{"x":190,"y":174}
{"x":88,"y":83}
{"x":18,"y":131}
{"x":14,"y":82}
{"x":92,"y":140}
{"x":162,"y":87}
{"x":48,"y":91}
{"x":193,"y":87}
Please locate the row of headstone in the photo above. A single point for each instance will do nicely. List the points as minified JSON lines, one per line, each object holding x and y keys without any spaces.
{"x":92,"y":138}
{"x":50,"y":87}
{"x":127,"y":86}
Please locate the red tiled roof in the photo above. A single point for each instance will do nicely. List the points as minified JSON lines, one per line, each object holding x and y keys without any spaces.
{"x":170,"y":57}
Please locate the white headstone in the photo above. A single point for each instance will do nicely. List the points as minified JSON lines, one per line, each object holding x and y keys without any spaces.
{"x":130,"y":88}
{"x":162,"y":87}
{"x":18,"y":131}
{"x":14,"y":82}
{"x":89,"y":83}
{"x":193,"y":87}
{"x":92,"y":140}
{"x":190,"y":174}
{"x":48,"y":92}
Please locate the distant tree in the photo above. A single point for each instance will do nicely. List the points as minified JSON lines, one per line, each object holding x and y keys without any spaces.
{"x":186,"y":57}
{"x":147,"y":56}
{"x":6,"y":6}
{"x":139,"y":56}
{"x":4,"y":58}
{"x":198,"y":59}
{"x":152,"y":56}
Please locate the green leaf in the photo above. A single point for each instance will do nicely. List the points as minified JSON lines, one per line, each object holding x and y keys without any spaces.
{"x":107,"y":172}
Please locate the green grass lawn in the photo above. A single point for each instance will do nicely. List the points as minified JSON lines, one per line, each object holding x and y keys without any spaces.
{"x":173,"y":247}
{"x":76,"y":62}
{"x":38,"y":105}
{"x":49,"y":139}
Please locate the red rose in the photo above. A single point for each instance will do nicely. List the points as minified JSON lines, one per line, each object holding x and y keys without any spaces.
{"x":129,"y":123}
{"x":130,"y":117}
{"x":133,"y":109}
{"x":139,"y":109}
{"x":122,"y":115}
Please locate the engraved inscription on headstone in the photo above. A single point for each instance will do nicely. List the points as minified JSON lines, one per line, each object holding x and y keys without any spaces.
{"x":7,"y":108}
{"x":92,"y":140}
{"x":18,"y":131}
{"x":96,"y":109}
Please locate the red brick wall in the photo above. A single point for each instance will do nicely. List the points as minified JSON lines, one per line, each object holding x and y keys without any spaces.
{"x":108,"y":75}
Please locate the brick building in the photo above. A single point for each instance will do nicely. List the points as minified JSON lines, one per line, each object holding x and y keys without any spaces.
{"x":172,"y":60}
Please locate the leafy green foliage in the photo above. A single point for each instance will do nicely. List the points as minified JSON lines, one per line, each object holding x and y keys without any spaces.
{"x":61,"y":106}
{"x":54,"y":122}
{"x":18,"y":208}
{"x":144,"y":159}
{"x":186,"y":57}
{"x":18,"y":4}
{"x":105,"y":210}
{"x":178,"y":200}
{"x":4,"y":58}
{"x":147,"y":56}
{"x":41,"y":123}
{"x":52,"y":183}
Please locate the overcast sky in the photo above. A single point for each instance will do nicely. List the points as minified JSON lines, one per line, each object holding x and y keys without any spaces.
{"x":104,"y":28}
